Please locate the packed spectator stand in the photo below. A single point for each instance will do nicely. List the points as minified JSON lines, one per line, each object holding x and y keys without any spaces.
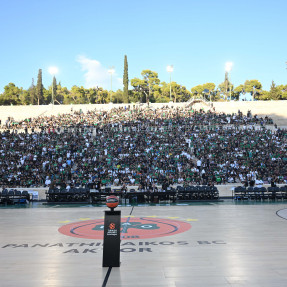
{"x":144,"y":147}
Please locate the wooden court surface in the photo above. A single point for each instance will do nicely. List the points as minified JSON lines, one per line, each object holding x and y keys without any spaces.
{"x":219,"y":244}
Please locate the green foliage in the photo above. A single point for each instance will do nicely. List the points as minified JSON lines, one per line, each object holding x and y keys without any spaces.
{"x":32,"y":95}
{"x":47,"y":96}
{"x":102,"y":96}
{"x":283,"y":89}
{"x":147,"y":89}
{"x":39,"y":88}
{"x":11,"y":96}
{"x":265,"y":96}
{"x":215,"y":96}
{"x":151,"y":79}
{"x":225,"y":89}
{"x":135,"y":96}
{"x":238,"y":92}
{"x":200,"y":88}
{"x":197,"y":90}
{"x":118,"y":97}
{"x":249,"y":85}
{"x":239,"y":89}
{"x":79,"y":95}
{"x":140,"y":89}
{"x":25,"y":98}
{"x":253,"y":87}
{"x":54,"y":90}
{"x":275,"y":92}
{"x":178,"y":93}
{"x":206,"y":90}
{"x":126,"y":82}
{"x":91,"y":95}
{"x":209,"y":86}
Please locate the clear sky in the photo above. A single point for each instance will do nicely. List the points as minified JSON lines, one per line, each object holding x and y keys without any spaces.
{"x":84,"y":38}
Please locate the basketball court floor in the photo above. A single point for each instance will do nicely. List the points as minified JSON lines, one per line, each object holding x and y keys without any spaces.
{"x":215,"y":244}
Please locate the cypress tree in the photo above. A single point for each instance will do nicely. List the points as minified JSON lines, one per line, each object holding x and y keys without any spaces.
{"x":32,"y":91}
{"x":126,"y":81}
{"x":274,"y":93}
{"x":54,"y":89}
{"x":39,"y":87}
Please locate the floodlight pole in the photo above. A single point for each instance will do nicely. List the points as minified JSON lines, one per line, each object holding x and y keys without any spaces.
{"x":53,"y":92}
{"x":111,"y":71}
{"x":111,"y":87}
{"x":170,"y":86}
{"x":226,"y":84}
{"x":228,"y":67}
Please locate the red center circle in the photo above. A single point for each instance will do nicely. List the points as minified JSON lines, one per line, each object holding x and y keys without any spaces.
{"x":131,"y":228}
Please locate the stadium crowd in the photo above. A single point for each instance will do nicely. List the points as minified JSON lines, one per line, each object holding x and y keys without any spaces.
{"x":141,"y":146}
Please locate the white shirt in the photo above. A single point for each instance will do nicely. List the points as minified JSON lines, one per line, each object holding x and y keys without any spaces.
{"x":48,"y":182}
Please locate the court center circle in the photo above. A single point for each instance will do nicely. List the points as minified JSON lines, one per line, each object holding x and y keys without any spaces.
{"x":131,"y":228}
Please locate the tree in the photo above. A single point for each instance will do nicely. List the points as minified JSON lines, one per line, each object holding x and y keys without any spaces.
{"x":140,"y":92}
{"x":118,"y":97}
{"x":275,"y":93}
{"x":179,"y":93}
{"x":209,"y":86}
{"x":250,"y":84}
{"x":215,"y":95}
{"x":62,"y":93}
{"x":39,"y":88}
{"x":206,"y":89}
{"x":24,"y":98}
{"x":126,"y":81}
{"x":102,"y":96}
{"x":265,"y":96}
{"x":226,"y":84}
{"x":161,"y":93}
{"x":47,"y":96}
{"x":283,"y":89}
{"x":11,"y":95}
{"x":67,"y":96}
{"x":32,"y":91}
{"x":253,"y":87}
{"x":197,"y":90}
{"x":224,"y":88}
{"x":78,"y":95}
{"x":91,"y":95}
{"x":151,"y":79}
{"x":238,"y":91}
{"x":54,"y":89}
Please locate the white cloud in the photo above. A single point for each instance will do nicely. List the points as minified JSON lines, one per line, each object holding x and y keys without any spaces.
{"x":97,"y":75}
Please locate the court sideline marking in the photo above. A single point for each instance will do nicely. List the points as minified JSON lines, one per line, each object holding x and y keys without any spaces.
{"x":282,"y":213}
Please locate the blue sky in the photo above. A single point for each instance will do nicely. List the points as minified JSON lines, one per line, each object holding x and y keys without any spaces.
{"x":84,"y":38}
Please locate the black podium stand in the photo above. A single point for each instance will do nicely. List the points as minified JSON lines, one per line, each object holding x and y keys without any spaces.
{"x":112,"y":240}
